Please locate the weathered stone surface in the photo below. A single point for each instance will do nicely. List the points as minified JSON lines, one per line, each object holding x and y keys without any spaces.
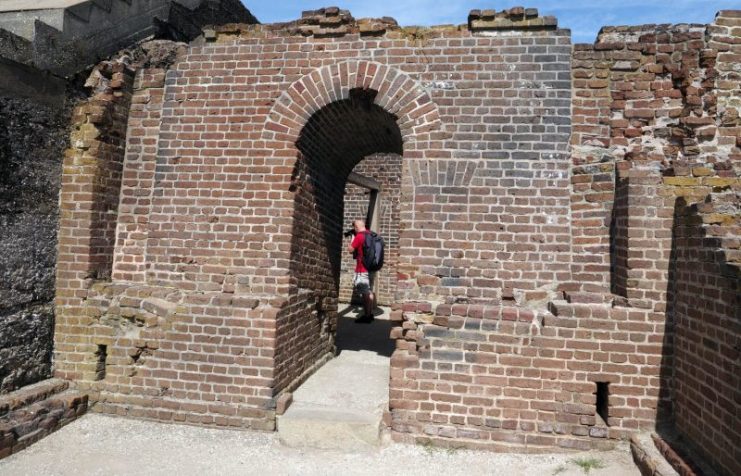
{"x":32,"y":138}
{"x":71,"y":36}
{"x":25,"y":346}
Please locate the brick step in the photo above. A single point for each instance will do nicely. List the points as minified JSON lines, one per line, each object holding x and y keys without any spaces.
{"x":43,"y":414}
{"x":26,"y":424}
{"x":31,"y":394}
{"x":341,"y":406}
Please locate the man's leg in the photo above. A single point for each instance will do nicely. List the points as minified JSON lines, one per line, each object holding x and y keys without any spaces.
{"x":367,"y":316}
{"x":369,"y":299}
{"x":371,"y":306}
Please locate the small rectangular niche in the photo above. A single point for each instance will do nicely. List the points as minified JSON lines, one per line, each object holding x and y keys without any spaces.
{"x":602,"y":403}
{"x":101,"y":354}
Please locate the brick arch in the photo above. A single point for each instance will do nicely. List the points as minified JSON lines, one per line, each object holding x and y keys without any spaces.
{"x":305,"y":325}
{"x":398,"y":94}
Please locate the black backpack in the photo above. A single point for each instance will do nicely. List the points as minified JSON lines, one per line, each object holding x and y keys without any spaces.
{"x":373,"y":251}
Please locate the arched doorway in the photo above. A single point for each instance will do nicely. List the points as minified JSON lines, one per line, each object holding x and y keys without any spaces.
{"x":327,"y":122}
{"x":334,"y":140}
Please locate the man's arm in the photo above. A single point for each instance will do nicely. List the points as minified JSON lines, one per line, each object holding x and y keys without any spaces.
{"x":350,"y":247}
{"x":354,"y":243}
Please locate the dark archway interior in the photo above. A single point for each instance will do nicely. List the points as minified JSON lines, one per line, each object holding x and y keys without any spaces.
{"x":334,"y":140}
{"x":342,"y":133}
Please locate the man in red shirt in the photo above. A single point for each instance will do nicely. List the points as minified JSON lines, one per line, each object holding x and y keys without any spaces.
{"x":362,"y":279}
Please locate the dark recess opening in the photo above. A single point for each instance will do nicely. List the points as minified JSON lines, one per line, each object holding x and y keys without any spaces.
{"x":602,"y":403}
{"x":102,"y":355}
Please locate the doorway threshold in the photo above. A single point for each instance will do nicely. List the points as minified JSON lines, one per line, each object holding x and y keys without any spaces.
{"x":341,"y":406}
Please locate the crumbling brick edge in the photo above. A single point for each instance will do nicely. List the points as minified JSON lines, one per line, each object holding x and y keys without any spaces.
{"x":654,"y":456}
{"x":33,"y":412}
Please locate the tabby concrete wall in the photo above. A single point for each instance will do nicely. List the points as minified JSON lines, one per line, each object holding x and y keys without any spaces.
{"x":33,"y":136}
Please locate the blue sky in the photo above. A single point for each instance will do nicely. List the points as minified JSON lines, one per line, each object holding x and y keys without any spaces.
{"x":583,"y":17}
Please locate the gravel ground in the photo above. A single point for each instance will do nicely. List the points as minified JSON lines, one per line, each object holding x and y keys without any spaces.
{"x":104,"y":445}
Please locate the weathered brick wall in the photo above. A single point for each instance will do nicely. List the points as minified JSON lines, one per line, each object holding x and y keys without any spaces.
{"x":89,"y":201}
{"x":386,"y":170}
{"x":657,"y":99}
{"x":35,"y":130}
{"x":638,"y":82}
{"x":228,"y":259}
{"x":137,"y":182}
{"x":704,"y":304}
{"x":134,"y":339}
{"x":506,"y":377}
{"x":231,"y":193}
{"x":644,"y":106}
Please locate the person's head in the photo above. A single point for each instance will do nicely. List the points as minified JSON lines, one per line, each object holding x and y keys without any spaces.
{"x":358,"y":226}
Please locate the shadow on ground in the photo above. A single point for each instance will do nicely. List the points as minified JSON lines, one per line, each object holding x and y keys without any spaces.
{"x":373,"y":337}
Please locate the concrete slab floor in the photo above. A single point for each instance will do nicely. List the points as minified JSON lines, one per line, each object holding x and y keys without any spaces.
{"x":342,"y":404}
{"x":109,"y":446}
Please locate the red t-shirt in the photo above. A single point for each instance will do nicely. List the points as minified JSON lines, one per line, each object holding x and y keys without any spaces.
{"x":357,"y":243}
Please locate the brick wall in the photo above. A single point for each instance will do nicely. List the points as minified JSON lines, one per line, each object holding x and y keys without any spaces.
{"x":505,"y":377}
{"x":386,"y":170}
{"x":89,"y":200}
{"x":642,"y":93}
{"x":704,"y":303}
{"x":139,"y":337}
{"x":138,"y":175}
{"x":643,"y":107}
{"x":256,"y":134}
{"x":228,"y":260}
{"x":655,"y":99}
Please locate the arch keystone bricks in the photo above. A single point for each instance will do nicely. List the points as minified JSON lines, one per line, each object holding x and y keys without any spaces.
{"x":398,"y":94}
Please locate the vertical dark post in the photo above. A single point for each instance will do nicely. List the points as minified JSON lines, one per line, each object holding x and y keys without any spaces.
{"x":373,"y":206}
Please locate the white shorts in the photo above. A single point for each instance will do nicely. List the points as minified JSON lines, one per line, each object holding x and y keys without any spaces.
{"x":361,"y":282}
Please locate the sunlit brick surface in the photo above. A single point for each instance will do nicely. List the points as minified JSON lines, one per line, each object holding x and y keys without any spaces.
{"x":532,"y":261}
